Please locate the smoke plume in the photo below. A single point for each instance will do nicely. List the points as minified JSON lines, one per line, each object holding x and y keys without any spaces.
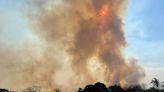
{"x":81,"y":43}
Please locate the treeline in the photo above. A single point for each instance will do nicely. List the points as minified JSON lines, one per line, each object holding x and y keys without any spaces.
{"x":100,"y":87}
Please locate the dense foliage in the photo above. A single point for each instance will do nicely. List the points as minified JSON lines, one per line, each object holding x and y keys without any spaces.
{"x":100,"y":87}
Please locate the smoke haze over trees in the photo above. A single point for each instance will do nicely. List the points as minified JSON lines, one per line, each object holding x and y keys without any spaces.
{"x":79,"y":42}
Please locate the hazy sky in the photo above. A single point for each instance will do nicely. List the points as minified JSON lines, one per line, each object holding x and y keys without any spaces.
{"x":145,"y":35}
{"x":144,"y":31}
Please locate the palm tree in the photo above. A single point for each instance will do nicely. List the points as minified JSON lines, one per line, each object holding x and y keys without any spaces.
{"x":155,"y":82}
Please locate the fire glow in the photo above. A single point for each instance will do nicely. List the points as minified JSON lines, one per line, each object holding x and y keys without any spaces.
{"x":104,"y":10}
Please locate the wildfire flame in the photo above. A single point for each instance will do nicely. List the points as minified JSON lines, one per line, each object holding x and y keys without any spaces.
{"x":104,"y":10}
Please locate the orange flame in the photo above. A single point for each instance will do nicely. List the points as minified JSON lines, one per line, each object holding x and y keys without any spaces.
{"x":104,"y":10}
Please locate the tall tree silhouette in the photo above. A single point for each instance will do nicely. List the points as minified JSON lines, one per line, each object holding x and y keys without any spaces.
{"x":155,"y":82}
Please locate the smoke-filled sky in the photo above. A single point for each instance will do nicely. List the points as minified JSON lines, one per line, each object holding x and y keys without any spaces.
{"x":143,"y":32}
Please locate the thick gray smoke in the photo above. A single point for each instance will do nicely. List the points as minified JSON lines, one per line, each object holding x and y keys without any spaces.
{"x":81,"y":43}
